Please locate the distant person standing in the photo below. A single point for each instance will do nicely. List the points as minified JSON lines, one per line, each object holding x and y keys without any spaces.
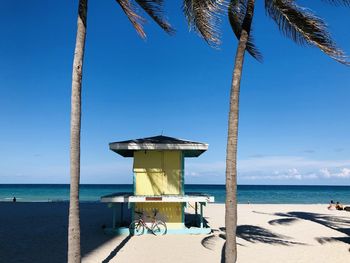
{"x":14,"y":199}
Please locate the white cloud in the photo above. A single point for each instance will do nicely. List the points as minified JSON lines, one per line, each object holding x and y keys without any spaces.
{"x":193,"y":174}
{"x":345,"y":173}
{"x":325,"y":173}
{"x":288,"y":162}
{"x":280,"y":168}
{"x":292,"y":168}
{"x":339,"y":173}
{"x":289,"y":174}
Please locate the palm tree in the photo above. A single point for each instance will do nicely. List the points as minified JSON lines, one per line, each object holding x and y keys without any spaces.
{"x":154,"y":8}
{"x":202,"y":17}
{"x":295,"y":22}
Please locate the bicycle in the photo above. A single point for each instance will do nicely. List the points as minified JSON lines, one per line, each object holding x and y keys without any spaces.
{"x":137,"y":227}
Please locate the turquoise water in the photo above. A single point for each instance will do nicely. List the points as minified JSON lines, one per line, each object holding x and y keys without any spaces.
{"x":268,"y":194}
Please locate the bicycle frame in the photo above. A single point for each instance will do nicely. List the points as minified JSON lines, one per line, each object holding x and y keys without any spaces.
{"x":157,"y":226}
{"x":143,"y":222}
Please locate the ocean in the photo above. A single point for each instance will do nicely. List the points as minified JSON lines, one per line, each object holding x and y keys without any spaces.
{"x":259,"y":194}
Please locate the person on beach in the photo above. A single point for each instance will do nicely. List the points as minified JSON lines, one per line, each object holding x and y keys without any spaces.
{"x":331,"y":206}
{"x":14,"y":199}
{"x":338,"y":206}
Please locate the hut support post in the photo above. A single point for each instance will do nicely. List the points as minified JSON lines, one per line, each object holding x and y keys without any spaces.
{"x":201,"y":217}
{"x":114,"y":216}
{"x":121,"y":213}
{"x":196,"y":208}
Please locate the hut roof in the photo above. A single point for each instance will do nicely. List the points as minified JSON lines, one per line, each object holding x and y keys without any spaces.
{"x":189,"y":148}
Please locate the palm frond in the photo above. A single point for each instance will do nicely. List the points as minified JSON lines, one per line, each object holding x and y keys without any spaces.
{"x":131,"y":12}
{"x":236,"y":12}
{"x":209,"y":242}
{"x":154,"y":9}
{"x":203,"y":16}
{"x":303,"y":27}
{"x":338,"y":2}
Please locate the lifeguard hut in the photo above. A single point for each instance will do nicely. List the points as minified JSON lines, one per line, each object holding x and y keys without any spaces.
{"x":158,"y":182}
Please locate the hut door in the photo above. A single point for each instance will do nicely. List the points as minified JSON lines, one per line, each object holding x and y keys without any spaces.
{"x":148,"y":173}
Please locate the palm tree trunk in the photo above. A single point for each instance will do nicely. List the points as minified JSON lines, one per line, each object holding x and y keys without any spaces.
{"x":231,"y":150}
{"x":74,"y":254}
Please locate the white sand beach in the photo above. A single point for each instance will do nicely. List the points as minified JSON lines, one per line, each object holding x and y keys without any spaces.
{"x":37,"y":232}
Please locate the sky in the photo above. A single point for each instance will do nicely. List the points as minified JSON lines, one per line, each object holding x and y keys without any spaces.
{"x":294,"y":107}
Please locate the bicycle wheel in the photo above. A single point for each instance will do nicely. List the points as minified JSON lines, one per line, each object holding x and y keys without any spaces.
{"x":159,"y":228}
{"x":136,"y":228}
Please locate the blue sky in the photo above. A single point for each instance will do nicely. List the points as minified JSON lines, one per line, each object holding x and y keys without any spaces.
{"x":294,"y":114}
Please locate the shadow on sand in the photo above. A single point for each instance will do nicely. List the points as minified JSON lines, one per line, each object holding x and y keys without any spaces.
{"x":117,"y":249}
{"x":249,"y":233}
{"x":252,"y":234}
{"x":37,"y":232}
{"x":337,"y":223}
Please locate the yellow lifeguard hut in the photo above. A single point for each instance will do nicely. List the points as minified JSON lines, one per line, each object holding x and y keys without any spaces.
{"x":158,"y":181}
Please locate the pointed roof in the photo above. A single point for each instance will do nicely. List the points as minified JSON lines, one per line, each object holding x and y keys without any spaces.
{"x":160,"y":142}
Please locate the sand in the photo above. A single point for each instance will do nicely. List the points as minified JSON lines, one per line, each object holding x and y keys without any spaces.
{"x":37,"y":232}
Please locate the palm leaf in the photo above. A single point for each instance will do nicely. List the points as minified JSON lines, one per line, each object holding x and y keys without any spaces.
{"x":303,"y":27}
{"x":154,"y":9}
{"x":236,"y":12}
{"x":131,"y":12}
{"x":203,"y":16}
